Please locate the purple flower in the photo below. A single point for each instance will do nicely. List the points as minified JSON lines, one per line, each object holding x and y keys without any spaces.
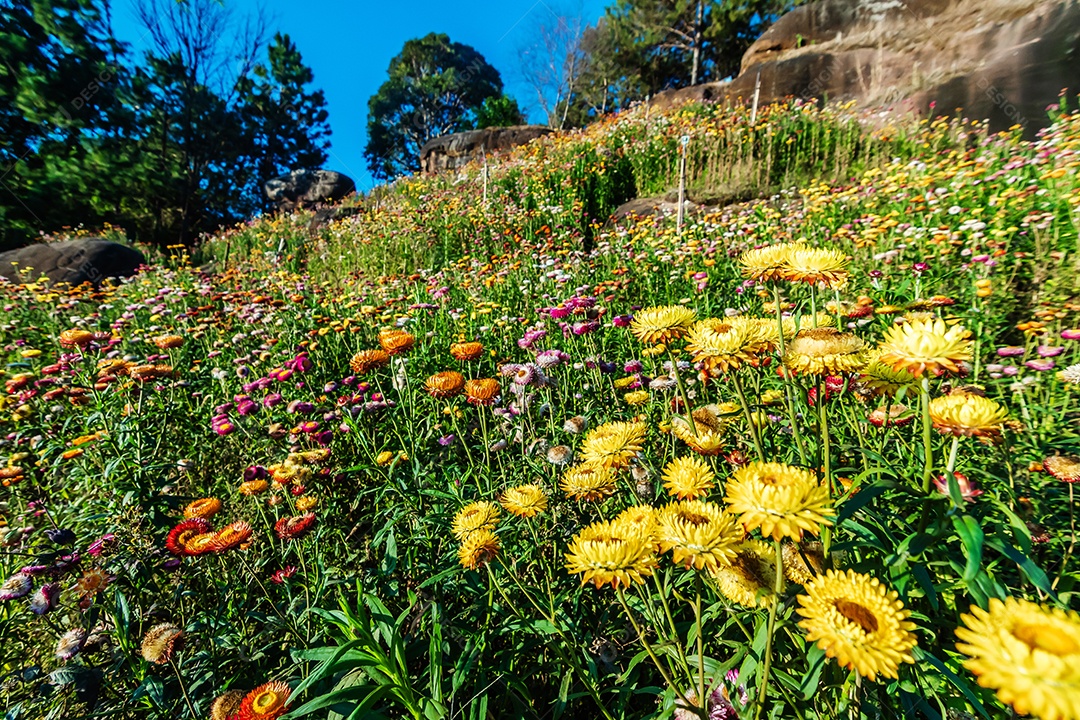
{"x":634,"y":366}
{"x":1049,"y":351}
{"x":246,"y":407}
{"x":1071,"y":334}
{"x":530,"y":337}
{"x":1010,"y":351}
{"x":16,"y":586}
{"x":446,"y":440}
{"x":585,"y":328}
{"x":1039,"y":365}
{"x":222,"y":426}
{"x":45,"y":598}
{"x":300,"y":363}
{"x":255,"y":472}
{"x":551,"y":358}
{"x":622,"y":321}
{"x":300,"y":406}
{"x":102,"y":545}
{"x":272,"y":399}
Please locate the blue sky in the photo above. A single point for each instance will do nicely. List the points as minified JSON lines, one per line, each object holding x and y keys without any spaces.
{"x":349,"y":44}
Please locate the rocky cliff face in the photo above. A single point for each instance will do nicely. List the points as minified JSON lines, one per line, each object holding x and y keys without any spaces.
{"x":1002,"y":60}
{"x":453,"y":151}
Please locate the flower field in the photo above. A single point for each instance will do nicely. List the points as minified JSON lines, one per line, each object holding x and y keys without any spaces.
{"x":471,"y":451}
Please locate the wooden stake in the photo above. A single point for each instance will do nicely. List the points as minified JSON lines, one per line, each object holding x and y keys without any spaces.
{"x":757,"y":95}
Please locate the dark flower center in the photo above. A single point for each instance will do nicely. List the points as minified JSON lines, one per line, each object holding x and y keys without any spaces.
{"x":857,"y":614}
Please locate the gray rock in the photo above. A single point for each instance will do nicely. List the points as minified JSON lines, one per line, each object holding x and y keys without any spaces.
{"x":1004,"y":61}
{"x":304,"y":188}
{"x":450,"y":152}
{"x":89,"y":260}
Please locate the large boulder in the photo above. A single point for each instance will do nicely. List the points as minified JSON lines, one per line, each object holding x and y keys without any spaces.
{"x":89,"y":260}
{"x":1005,"y":61}
{"x":450,"y":152}
{"x":304,"y":188}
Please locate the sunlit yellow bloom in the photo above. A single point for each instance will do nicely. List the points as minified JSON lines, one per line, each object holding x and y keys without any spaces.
{"x":642,"y":518}
{"x":710,"y":425}
{"x":688,"y":478}
{"x":662,"y":324}
{"x":782,"y":500}
{"x":766,"y":263}
{"x":612,"y":553}
{"x":749,"y":578}
{"x":478,"y":548}
{"x":479,"y":515}
{"x":588,"y":482}
{"x":614,"y":444}
{"x":824,"y":351}
{"x":859,"y":622}
{"x":968,"y":415}
{"x":920,"y":347}
{"x":815,"y":265}
{"x":524,"y":500}
{"x":699,"y":534}
{"x":1028,"y":653}
{"x":724,"y":345}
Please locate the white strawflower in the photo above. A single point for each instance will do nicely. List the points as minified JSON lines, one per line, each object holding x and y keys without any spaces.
{"x":1071,"y":374}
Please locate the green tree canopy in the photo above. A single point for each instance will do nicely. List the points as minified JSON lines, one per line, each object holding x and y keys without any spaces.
{"x":641,"y":47}
{"x":287,"y":124}
{"x":434,"y":87}
{"x":168,"y":147}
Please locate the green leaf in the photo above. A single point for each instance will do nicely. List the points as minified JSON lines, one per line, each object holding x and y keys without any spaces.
{"x":1034,"y":573}
{"x":971,"y":535}
{"x":815,"y":658}
{"x":955,"y":679}
{"x":365,"y":694}
{"x":922,"y":576}
{"x":564,"y":691}
{"x":390,"y":557}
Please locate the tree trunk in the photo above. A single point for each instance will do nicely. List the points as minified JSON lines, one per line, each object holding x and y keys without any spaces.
{"x":699,"y":21}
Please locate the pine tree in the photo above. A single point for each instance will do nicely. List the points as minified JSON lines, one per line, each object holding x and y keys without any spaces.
{"x":285,"y":122}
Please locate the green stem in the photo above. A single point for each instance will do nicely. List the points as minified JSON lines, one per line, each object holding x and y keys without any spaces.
{"x":789,"y":396}
{"x":823,"y":428}
{"x":755,"y":431}
{"x":682,"y":392}
{"x":183,"y":690}
{"x":952,"y":456}
{"x":928,"y":452}
{"x":700,"y":644}
{"x":567,"y":658}
{"x":778,"y":589}
{"x":644,"y":640}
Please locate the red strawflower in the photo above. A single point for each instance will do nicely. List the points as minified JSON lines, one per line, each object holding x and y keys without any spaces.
{"x":288,"y":528}
{"x":179,"y":536}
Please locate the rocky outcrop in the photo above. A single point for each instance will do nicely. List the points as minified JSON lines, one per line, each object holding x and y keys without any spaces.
{"x":304,"y":188}
{"x":450,"y":152}
{"x":89,"y":260}
{"x":1002,"y":60}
